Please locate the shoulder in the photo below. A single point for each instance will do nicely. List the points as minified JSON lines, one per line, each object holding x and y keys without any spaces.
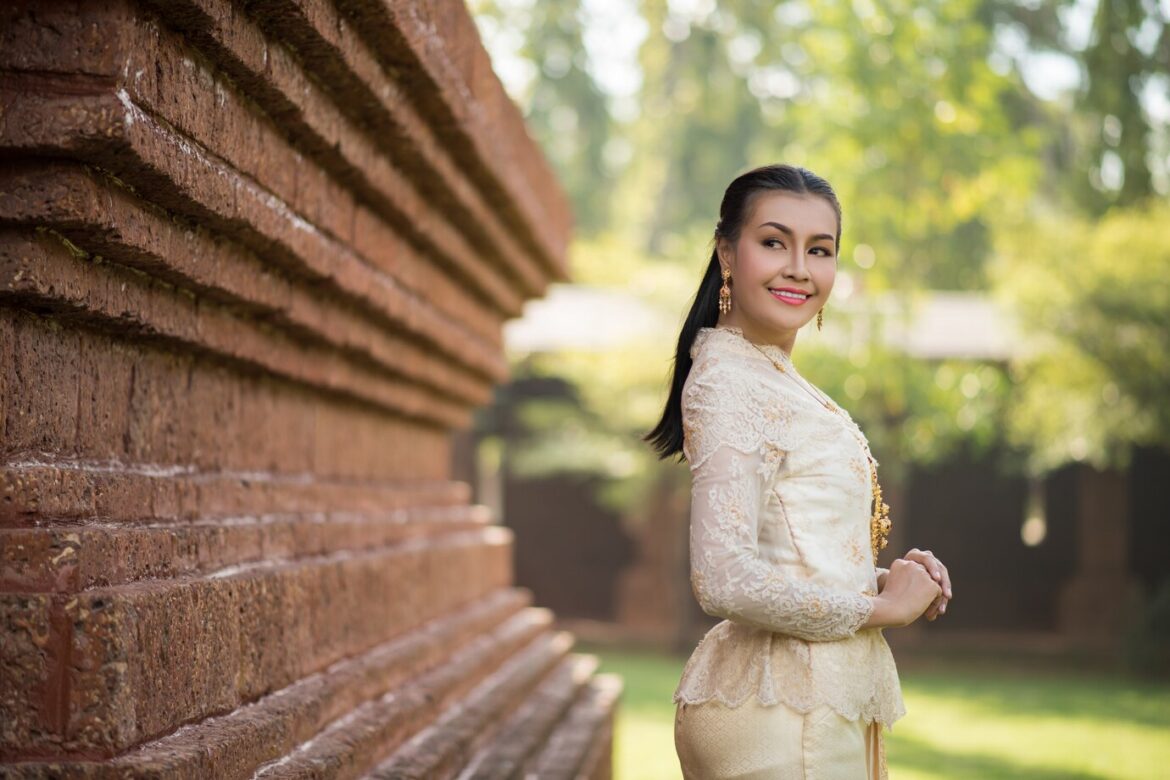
{"x":736,"y":400}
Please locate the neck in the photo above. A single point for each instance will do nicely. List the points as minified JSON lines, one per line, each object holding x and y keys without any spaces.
{"x":784,"y":339}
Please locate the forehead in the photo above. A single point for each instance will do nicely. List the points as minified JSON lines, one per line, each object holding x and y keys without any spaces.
{"x":805,"y":214}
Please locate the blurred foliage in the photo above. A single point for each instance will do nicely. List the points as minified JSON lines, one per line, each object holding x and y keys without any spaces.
{"x":911,"y":410}
{"x":953,"y":171}
{"x":1094,"y":299}
{"x":1110,"y":148}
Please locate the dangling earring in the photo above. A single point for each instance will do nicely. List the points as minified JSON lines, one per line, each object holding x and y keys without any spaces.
{"x":725,"y":293}
{"x":820,"y":316}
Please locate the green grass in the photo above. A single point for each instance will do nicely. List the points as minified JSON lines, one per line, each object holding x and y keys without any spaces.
{"x":967,"y":719}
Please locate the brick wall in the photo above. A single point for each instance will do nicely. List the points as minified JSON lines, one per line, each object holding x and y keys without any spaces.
{"x":255,"y":259}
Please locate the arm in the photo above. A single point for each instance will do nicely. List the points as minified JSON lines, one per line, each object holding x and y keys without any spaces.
{"x":734,"y":450}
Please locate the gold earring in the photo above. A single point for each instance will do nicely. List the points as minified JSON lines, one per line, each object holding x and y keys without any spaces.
{"x":820,"y":316}
{"x":725,"y":293}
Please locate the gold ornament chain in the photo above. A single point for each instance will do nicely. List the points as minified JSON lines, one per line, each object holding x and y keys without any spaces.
{"x":879,"y":526}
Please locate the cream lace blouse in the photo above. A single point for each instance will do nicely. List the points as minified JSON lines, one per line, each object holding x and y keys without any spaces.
{"x":779,"y":540}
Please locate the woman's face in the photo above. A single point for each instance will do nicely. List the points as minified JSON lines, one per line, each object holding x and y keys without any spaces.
{"x":787,"y":243}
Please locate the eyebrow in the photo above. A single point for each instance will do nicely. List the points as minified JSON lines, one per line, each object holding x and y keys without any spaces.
{"x":788,"y":230}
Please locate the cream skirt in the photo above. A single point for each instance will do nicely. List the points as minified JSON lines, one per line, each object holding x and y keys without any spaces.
{"x":754,"y":742}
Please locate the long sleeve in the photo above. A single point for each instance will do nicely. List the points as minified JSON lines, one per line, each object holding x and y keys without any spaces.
{"x":736,"y":436}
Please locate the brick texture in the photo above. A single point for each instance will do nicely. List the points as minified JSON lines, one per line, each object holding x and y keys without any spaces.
{"x":255,"y":260}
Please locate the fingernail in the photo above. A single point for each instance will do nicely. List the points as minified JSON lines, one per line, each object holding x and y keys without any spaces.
{"x":943,"y":608}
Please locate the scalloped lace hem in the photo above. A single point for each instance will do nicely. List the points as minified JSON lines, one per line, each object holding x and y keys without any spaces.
{"x":886,"y":714}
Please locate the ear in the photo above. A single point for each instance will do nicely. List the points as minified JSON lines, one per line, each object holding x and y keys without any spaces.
{"x":726,"y":254}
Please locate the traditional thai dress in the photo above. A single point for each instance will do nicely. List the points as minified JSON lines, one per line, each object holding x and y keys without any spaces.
{"x":788,"y":685}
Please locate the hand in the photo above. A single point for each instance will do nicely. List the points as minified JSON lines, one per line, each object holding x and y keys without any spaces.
{"x":909,"y":591}
{"x":940,"y":575}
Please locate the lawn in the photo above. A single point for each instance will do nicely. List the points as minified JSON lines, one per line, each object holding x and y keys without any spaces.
{"x":967,"y":719}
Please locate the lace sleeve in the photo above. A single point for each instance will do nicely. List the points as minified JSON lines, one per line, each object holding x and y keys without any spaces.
{"x":736,"y":436}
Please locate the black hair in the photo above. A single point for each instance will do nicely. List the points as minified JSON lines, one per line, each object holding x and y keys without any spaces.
{"x":738,"y":201}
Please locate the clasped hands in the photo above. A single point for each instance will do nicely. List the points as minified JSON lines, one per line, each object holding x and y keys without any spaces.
{"x":918,"y":576}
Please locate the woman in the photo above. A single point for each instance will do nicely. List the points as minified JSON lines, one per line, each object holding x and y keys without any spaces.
{"x":797,"y":680}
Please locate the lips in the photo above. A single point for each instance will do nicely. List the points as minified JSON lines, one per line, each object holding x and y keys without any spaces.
{"x":789,"y":296}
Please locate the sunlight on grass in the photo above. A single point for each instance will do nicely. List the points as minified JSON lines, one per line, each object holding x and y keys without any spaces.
{"x":965,"y":721}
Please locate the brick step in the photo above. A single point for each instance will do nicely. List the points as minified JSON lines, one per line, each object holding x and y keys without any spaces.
{"x":137,"y":493}
{"x":329,"y":125}
{"x":509,"y":744}
{"x":434,"y":51}
{"x":39,"y":270}
{"x":157,"y":161}
{"x":68,"y":558}
{"x":102,"y":218}
{"x":460,"y":649}
{"x":415,"y":711}
{"x":109,"y":668}
{"x":441,"y":750}
{"x":581,"y":746}
{"x":390,"y":224}
{"x":99,"y":414}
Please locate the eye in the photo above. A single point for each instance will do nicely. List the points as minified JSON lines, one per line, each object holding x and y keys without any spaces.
{"x":769,"y":241}
{"x":826,"y":251}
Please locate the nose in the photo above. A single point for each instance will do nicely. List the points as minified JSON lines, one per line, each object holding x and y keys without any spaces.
{"x":796,"y":268}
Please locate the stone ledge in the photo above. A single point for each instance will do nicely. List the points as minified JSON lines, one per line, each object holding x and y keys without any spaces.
{"x":72,"y":558}
{"x":41,"y":271}
{"x":238,"y":743}
{"x":512,"y":742}
{"x":433,"y":49}
{"x":582,"y":744}
{"x":80,"y":406}
{"x":130,"y":662}
{"x":104,"y":222}
{"x":110,"y":131}
{"x":141,"y":493}
{"x":463,"y":729}
{"x":327,"y":124}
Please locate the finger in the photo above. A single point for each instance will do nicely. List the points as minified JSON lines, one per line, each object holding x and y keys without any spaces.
{"x":932,"y":564}
{"x":926,"y":560}
{"x":938,"y":572}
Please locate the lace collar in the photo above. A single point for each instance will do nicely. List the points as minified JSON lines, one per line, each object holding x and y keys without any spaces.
{"x":733,"y":337}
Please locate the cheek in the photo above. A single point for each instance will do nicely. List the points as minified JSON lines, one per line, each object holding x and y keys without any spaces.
{"x":826,"y":276}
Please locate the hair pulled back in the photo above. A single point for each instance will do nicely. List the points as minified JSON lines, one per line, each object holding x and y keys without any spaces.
{"x":738,"y":201}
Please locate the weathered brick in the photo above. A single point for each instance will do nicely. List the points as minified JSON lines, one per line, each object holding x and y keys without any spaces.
{"x":146,"y":656}
{"x":42,"y":393}
{"x":105,"y":377}
{"x":253,"y":268}
{"x":7,"y":362}
{"x":423,"y":669}
{"x":29,"y":704}
{"x":435,"y":46}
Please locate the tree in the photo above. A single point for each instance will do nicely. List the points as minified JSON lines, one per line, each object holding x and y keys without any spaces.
{"x":1095,"y":299}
